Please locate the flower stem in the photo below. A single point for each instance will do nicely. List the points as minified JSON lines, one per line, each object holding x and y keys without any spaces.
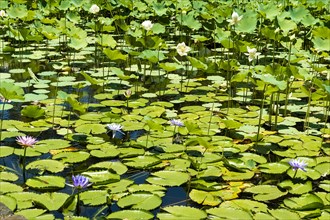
{"x":260,"y":114}
{"x":24,"y":157}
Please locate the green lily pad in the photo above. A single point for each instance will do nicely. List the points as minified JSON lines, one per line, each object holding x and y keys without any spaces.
{"x":46,"y":182}
{"x":6,"y":187}
{"x":31,"y":213}
{"x":101,"y":177}
{"x":145,"y":201}
{"x":284,"y":214}
{"x":265,"y":192}
{"x":8,"y":176}
{"x":46,"y":165}
{"x":229,"y":213}
{"x":168,"y":178}
{"x":298,"y":188}
{"x":131,"y":214}
{"x":9,"y":201}
{"x":91,"y":129}
{"x":115,"y":166}
{"x":72,"y":157}
{"x":205,"y":198}
{"x":94,"y":197}
{"x":274,"y":168}
{"x":6,"y":151}
{"x":141,"y":162}
{"x":182,"y":212}
{"x":51,"y":201}
{"x":304,"y":202}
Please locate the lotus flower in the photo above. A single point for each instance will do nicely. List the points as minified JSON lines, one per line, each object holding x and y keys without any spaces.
{"x":3,"y":13}
{"x":147,"y":25}
{"x":235,"y":18}
{"x":26,"y":141}
{"x":176,"y":122}
{"x":298,"y":164}
{"x":182,"y":49}
{"x":94,"y":9}
{"x":252,"y":53}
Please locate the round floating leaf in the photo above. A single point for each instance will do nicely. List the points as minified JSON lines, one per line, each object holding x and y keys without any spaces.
{"x":205,"y":198}
{"x":228,"y":175}
{"x":141,"y":162}
{"x":53,"y":166}
{"x":265,"y":192}
{"x":120,"y":186}
{"x":9,"y":201}
{"x":33,"y":111}
{"x":115,"y":166}
{"x":284,"y":214}
{"x":325,"y":184}
{"x":323,"y":168}
{"x":72,"y":157}
{"x":51,"y":201}
{"x":52,"y":144}
{"x":229,"y":213}
{"x":31,"y":213}
{"x":168,"y":178}
{"x":103,"y":152}
{"x":94,"y":197}
{"x":98,"y":177}
{"x":274,"y":168}
{"x":304,"y":202}
{"x":8,"y":176}
{"x":298,"y":188}
{"x":246,"y":204}
{"x":6,"y":151}
{"x":182,"y":212}
{"x":46,"y":182}
{"x":91,"y":129}
{"x":145,"y":201}
{"x":6,"y":187}
{"x":131,"y":215}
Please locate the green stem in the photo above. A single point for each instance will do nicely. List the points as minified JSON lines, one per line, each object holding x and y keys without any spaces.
{"x":78,"y":203}
{"x":260,"y":114}
{"x":24,"y":157}
{"x":209,"y":127}
{"x":2,"y":117}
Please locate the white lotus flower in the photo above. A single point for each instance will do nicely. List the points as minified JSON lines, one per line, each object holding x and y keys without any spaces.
{"x":3,"y":13}
{"x":235,"y":18}
{"x":147,"y":25}
{"x":182,"y":49}
{"x":94,"y":9}
{"x":252,"y":53}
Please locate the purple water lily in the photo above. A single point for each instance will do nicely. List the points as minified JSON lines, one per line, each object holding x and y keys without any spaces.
{"x":176,"y":122}
{"x":80,"y":182}
{"x":298,"y":164}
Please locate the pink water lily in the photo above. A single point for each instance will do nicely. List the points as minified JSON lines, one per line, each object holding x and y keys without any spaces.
{"x":26,"y":141}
